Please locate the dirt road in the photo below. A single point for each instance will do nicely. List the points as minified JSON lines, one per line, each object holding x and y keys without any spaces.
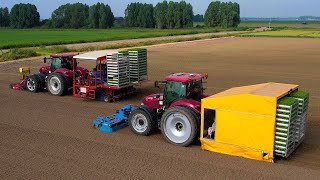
{"x":47,"y":137}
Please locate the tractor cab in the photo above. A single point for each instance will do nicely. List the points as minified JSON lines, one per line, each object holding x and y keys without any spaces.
{"x":58,"y":61}
{"x":180,"y":86}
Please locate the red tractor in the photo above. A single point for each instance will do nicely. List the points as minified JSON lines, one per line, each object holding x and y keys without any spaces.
{"x":56,"y":77}
{"x":176,"y":111}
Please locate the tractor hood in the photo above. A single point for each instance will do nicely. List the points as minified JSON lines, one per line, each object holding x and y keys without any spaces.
{"x":152,"y":100}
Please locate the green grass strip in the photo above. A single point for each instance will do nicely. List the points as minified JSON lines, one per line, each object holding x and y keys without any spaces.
{"x":287,"y":101}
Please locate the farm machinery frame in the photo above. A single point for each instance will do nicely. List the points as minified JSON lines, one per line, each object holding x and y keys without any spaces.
{"x":108,"y":81}
{"x":97,"y":83}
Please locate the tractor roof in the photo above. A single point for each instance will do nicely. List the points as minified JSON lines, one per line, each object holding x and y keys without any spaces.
{"x":64,"y":55}
{"x":96,"y":55}
{"x":184,"y":77}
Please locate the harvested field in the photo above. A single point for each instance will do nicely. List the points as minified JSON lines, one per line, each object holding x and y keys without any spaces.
{"x":46,"y":137}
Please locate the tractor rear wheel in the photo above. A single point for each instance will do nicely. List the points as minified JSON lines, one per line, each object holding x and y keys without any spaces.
{"x":179,"y":126}
{"x":57,"y":84}
{"x":141,"y":121}
{"x":33,"y":84}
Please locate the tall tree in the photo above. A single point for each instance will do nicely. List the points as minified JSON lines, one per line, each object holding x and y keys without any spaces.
{"x":160,"y":13}
{"x":100,"y":16}
{"x":110,"y":16}
{"x":24,"y":16}
{"x":70,"y":16}
{"x":170,"y":15}
{"x":222,"y":14}
{"x":4,"y":17}
{"x":94,"y":16}
{"x":139,"y":15}
{"x":173,"y":15}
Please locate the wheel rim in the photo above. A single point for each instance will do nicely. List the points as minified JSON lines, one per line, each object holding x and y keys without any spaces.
{"x":177,"y":128}
{"x":31,"y":85}
{"x":106,"y":98}
{"x":54,"y":85}
{"x":139,"y":123}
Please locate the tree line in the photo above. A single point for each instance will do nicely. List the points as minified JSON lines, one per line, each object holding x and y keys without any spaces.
{"x":164,"y":15}
{"x":80,"y":15}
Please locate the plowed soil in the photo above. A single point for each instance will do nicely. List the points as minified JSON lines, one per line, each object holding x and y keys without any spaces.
{"x":47,"y":137}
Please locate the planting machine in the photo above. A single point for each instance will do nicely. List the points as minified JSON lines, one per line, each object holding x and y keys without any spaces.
{"x":111,"y":79}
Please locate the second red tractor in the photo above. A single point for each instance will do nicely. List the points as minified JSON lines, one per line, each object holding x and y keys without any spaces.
{"x":176,"y":111}
{"x":56,"y":77}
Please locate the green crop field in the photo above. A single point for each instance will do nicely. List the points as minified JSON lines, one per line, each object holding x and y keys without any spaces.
{"x":12,"y":38}
{"x":303,"y":33}
{"x":291,"y":24}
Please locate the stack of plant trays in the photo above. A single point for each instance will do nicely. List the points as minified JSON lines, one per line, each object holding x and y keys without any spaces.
{"x":118,"y":69}
{"x":138,"y":64}
{"x":286,"y":117}
{"x":303,"y":99}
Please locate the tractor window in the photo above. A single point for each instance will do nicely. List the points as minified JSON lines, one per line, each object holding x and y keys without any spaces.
{"x":174,"y":91}
{"x":195,"y":90}
{"x":209,"y":128}
{"x":55,"y":63}
{"x":67,"y":63}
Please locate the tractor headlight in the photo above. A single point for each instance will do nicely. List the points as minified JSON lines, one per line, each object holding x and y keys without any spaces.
{"x":143,"y":103}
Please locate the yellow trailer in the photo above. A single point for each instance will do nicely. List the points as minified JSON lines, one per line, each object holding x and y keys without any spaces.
{"x":245,"y":121}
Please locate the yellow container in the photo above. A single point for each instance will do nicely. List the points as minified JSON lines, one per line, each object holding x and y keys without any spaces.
{"x":243,"y":120}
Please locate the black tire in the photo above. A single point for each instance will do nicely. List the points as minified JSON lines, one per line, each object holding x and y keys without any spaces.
{"x":57,"y":84}
{"x":197,"y":118}
{"x":142,"y":121}
{"x":42,"y":80}
{"x":185,"y":125}
{"x":33,"y":83}
{"x":107,"y":98}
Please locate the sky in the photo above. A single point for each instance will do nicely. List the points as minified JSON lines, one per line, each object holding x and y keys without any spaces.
{"x":249,"y":8}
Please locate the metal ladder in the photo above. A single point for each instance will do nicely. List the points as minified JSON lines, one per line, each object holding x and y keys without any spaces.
{"x":92,"y":94}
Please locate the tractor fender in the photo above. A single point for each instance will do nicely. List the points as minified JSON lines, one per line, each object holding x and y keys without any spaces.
{"x":45,"y":69}
{"x":152,"y":114}
{"x":188,"y":103}
{"x":65,"y":72}
{"x":148,"y":110}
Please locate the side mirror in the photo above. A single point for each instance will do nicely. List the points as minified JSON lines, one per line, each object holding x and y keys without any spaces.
{"x":45,"y":60}
{"x":156,"y":84}
{"x":206,"y":75}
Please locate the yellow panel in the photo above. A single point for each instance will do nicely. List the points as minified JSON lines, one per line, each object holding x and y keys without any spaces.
{"x":24,"y":69}
{"x":276,"y":90}
{"x":245,"y":130}
{"x":248,"y":103}
{"x":235,"y":150}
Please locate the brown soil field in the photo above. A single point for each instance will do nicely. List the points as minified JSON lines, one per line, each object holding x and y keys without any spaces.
{"x":47,"y":137}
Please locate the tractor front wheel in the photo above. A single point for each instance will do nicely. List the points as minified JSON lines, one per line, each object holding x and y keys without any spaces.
{"x":179,"y":126}
{"x":57,"y":84}
{"x":141,"y":122}
{"x":33,"y":84}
